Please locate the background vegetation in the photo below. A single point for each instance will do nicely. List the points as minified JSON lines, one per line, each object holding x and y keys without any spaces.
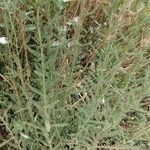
{"x":75,"y":75}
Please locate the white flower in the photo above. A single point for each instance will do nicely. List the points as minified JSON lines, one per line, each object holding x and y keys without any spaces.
{"x":3,"y":40}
